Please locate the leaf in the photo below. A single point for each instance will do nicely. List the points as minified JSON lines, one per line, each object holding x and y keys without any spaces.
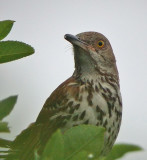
{"x":4,"y":127}
{"x":54,"y":149}
{"x":5,"y":28}
{"x":5,"y":143}
{"x":120,"y":150}
{"x":87,"y":138}
{"x":12,"y":50}
{"x":37,"y":157}
{"x":81,"y":156}
{"x":6,"y":106}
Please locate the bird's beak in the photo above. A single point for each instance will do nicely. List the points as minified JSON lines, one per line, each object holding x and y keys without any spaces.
{"x":76,"y":41}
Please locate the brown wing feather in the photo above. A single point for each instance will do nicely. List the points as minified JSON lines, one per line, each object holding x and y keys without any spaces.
{"x":37,"y":134}
{"x":58,"y":99}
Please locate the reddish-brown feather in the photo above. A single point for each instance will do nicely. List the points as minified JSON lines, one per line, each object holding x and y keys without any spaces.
{"x":58,"y":99}
{"x":43,"y":127}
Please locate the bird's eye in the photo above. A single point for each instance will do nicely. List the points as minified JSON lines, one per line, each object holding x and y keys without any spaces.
{"x":100,"y":44}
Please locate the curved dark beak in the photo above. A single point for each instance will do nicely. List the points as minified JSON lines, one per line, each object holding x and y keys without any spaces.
{"x":75,"y":41}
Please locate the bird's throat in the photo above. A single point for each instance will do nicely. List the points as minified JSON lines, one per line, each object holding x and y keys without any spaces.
{"x":83,"y":62}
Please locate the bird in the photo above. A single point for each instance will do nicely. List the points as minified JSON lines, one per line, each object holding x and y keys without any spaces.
{"x":90,"y":96}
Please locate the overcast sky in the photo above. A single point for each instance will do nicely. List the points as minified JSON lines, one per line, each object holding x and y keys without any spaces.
{"x":43,"y":23}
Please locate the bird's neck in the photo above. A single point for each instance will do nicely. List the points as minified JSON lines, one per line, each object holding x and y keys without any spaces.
{"x":96,"y":75}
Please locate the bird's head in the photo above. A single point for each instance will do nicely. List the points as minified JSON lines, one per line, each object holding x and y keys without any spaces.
{"x":92,"y":53}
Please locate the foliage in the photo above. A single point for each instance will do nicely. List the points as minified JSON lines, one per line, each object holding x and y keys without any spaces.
{"x":120,"y":150}
{"x":83,"y":142}
{"x":5,"y":28}
{"x":12,"y":50}
{"x":6,"y":107}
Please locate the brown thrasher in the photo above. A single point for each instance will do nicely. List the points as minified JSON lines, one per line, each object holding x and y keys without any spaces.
{"x":90,"y":96}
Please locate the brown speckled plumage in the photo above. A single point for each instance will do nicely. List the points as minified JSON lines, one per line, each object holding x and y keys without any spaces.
{"x":90,"y":96}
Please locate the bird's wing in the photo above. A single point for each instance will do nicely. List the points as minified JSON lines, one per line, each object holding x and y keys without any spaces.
{"x":37,"y":134}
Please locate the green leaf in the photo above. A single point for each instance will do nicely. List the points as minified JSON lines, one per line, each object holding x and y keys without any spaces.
{"x":6,"y":106}
{"x":80,"y":156}
{"x":54,"y":149}
{"x":37,"y":157}
{"x":120,"y":150}
{"x":12,"y":50}
{"x":83,"y":138}
{"x":5,"y":143}
{"x":4,"y":127}
{"x":5,"y":28}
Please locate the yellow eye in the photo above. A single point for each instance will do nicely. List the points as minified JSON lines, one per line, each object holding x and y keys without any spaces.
{"x":100,"y":44}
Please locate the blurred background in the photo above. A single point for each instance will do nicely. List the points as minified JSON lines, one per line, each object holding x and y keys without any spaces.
{"x":43,"y":24}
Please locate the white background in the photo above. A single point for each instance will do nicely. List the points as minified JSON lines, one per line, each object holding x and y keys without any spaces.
{"x":43,"y":23}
